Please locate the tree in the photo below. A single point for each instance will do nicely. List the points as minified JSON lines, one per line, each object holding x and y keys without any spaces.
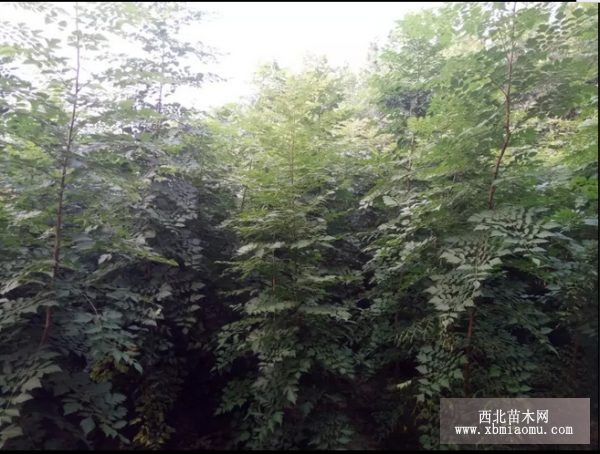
{"x":93,"y":164}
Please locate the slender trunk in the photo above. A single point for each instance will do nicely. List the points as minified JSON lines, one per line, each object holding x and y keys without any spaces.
{"x":576,"y":343}
{"x":412,"y":139}
{"x":410,"y":162}
{"x":507,"y":115}
{"x":244,"y":192}
{"x":505,"y":143}
{"x":292,"y":170}
{"x":294,"y":226}
{"x":468,"y":363}
{"x":396,"y":324}
{"x":273,"y":265}
{"x":63,"y":175}
{"x":243,"y":199}
{"x":149,"y":266}
{"x":453,"y":183}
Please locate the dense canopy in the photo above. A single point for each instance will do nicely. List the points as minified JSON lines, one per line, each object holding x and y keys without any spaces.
{"x":313,"y":268}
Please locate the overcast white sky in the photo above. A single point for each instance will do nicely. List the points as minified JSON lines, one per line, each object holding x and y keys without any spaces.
{"x":250,"y":33}
{"x":256,"y":32}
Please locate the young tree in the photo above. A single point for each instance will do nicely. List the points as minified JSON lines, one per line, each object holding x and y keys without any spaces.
{"x":92,"y":163}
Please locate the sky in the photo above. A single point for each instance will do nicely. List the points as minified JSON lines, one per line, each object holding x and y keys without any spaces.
{"x":250,"y":33}
{"x":255,"y":32}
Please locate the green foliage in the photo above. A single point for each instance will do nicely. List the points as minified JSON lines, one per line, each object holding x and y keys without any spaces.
{"x":473,"y":292}
{"x":102,"y":180}
{"x":292,"y":324}
{"x":339,"y":251}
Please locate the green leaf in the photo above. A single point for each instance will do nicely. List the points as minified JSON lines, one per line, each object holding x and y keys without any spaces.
{"x":12,"y":431}
{"x":545,"y":234}
{"x":23,"y":397}
{"x":278,"y":417}
{"x":108,"y":431}
{"x":422,"y":369}
{"x":495,"y":261}
{"x":146,"y":137}
{"x":451,"y":258}
{"x":291,"y":395}
{"x":301,"y":244}
{"x":247,"y":248}
{"x":72,"y":407}
{"x":387,"y":200}
{"x":30,"y":384}
{"x":589,"y":123}
{"x":127,"y":104}
{"x":404,"y":385}
{"x":88,"y":425}
{"x":51,"y":369}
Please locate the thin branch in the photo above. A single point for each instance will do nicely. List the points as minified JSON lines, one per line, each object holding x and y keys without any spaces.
{"x":412,"y":139}
{"x":294,"y":227}
{"x":507,"y":108}
{"x":92,"y":304}
{"x":245,"y":190}
{"x":492,"y":188}
{"x":410,"y":162}
{"x":61,"y":190}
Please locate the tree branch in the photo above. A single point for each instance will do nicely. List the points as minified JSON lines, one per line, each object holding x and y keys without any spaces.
{"x":61,"y":189}
{"x":507,"y":115}
{"x":492,"y":188}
